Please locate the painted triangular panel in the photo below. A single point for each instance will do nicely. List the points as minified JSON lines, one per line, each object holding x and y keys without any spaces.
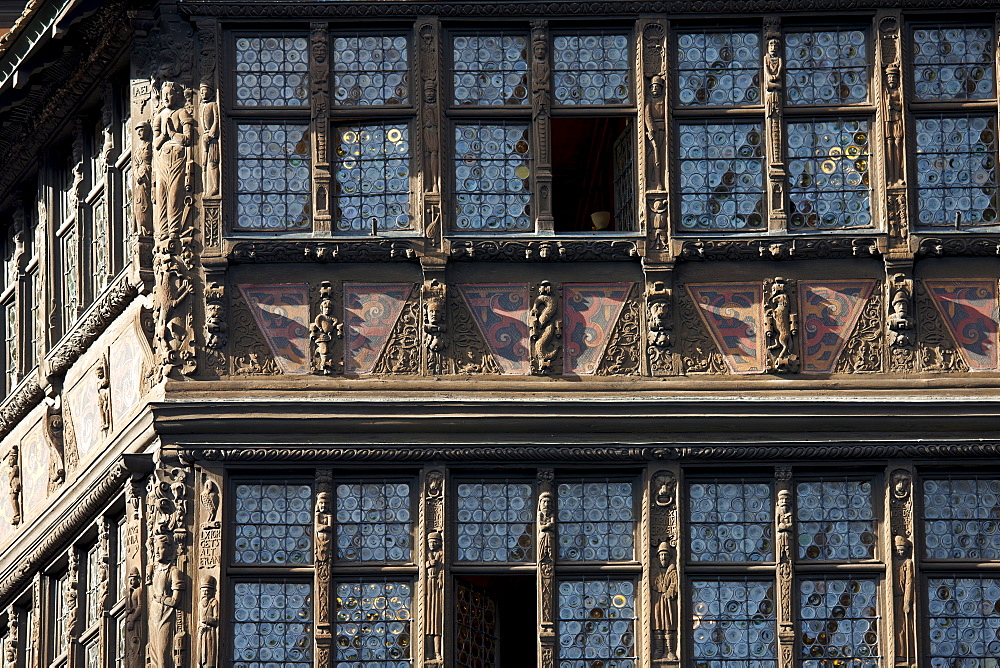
{"x":282,"y":313}
{"x":970,"y":312}
{"x":501,"y":312}
{"x":590,"y":313}
{"x":370,"y":314}
{"x":732,"y":314}
{"x":829,"y":311}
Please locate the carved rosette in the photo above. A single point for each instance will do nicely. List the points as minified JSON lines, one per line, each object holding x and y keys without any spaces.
{"x":659,"y":328}
{"x":900,"y":326}
{"x":324,"y":546}
{"x":781,"y":321}
{"x":434,"y":297}
{"x":434,"y":532}
{"x":901,"y":521}
{"x":324,"y":333}
{"x":546,"y":565}
{"x":545,"y":329}
{"x":773,"y":93}
{"x":664,"y":531}
{"x":783,"y":545}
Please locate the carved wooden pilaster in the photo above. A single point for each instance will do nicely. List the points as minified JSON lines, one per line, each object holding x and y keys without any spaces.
{"x":781,"y":322}
{"x":545,"y":321}
{"x":900,"y":322}
{"x":34,"y":630}
{"x":546,"y":524}
{"x":653,"y":165}
{"x":103,"y":566}
{"x":429,"y":109}
{"x":319,"y":87}
{"x":71,"y":607}
{"x":14,"y":484}
{"x":135,"y":597}
{"x":903,"y":622}
{"x":323,"y":594}
{"x":663,"y":570}
{"x":659,"y":319}
{"x":210,"y":126}
{"x":784,"y":544}
{"x":14,"y":640}
{"x":324,"y":332}
{"x":890,"y":152}
{"x":216,"y":330}
{"x":433,"y":566}
{"x":541,"y":113}
{"x":774,"y":82}
{"x":209,"y":568}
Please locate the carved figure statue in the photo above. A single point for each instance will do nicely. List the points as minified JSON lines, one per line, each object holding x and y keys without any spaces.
{"x":901,"y":484}
{"x":656,"y":119}
{"x":431,"y":133}
{"x":545,"y":329}
{"x":324,"y":329}
{"x":103,"y":393}
{"x":904,"y":593}
{"x":899,"y":322}
{"x":435,"y":592}
{"x":546,"y":511}
{"x":664,"y":620}
{"x":14,"y":487}
{"x":173,"y":132}
{"x":781,"y":327}
{"x":784,"y":521}
{"x":165,"y":584}
{"x":215,"y":322}
{"x":133,"y":619}
{"x":893,"y":127}
{"x":772,"y":69}
{"x":435,"y":316}
{"x":142,"y":166}
{"x":540,"y":72}
{"x":171,"y":289}
{"x":210,"y":139}
{"x":208,"y":624}
{"x":210,"y":501}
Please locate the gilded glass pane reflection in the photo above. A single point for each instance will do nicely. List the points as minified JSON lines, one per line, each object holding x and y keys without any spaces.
{"x":274,"y":524}
{"x":596,"y":623}
{"x":591,"y":68}
{"x":826,"y":67}
{"x":731,"y":521}
{"x":838,"y":623}
{"x":373,"y":177}
{"x":373,"y":522}
{"x":964,"y":620}
{"x":273,"y":186}
{"x":272,"y":71}
{"x":490,"y":70}
{"x":953,"y":63}
{"x":496,"y":521}
{"x":596,"y":521}
{"x":836,"y":520}
{"x":733,"y":624}
{"x":272,"y":624}
{"x":370,"y":70}
{"x":372,"y":625}
{"x":962,"y":519}
{"x":721,"y":176}
{"x":492,"y":172}
{"x":957,"y":171}
{"x":718,"y":69}
{"x":828,"y":174}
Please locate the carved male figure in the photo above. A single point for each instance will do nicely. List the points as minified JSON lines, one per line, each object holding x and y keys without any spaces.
{"x":103,"y":393}
{"x":905,"y":592}
{"x":656,"y":120}
{"x":899,"y":321}
{"x":173,"y":130}
{"x":165,"y":584}
{"x":210,"y":139}
{"x":14,"y":479}
{"x":665,"y":586}
{"x":208,"y":624}
{"x":435,"y":590}
{"x":133,"y":619}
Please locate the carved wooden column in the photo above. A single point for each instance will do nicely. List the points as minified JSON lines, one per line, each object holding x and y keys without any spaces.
{"x":900,"y":323}
{"x":546,"y":573}
{"x":135,"y":539}
{"x":323,"y":588}
{"x":13,"y":650}
{"x":784,"y":543}
{"x":433,"y":567}
{"x":209,"y":523}
{"x":319,"y":87}
{"x":429,"y":112}
{"x":71,"y":608}
{"x":902,"y":618}
{"x":541,"y":112}
{"x":545,"y":327}
{"x":661,"y":570}
{"x":774,"y":83}
{"x":890,"y":152}
{"x":104,"y":586}
{"x":781,"y":322}
{"x":653,"y":94}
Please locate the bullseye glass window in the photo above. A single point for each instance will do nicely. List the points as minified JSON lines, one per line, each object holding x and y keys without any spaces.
{"x":721,"y":176}
{"x":495,"y":521}
{"x":718,"y":69}
{"x":374,"y":522}
{"x":828,"y":173}
{"x":272,"y":624}
{"x":957,"y":171}
{"x":370,"y":70}
{"x":373,"y":178}
{"x":953,"y":63}
{"x":731,"y":521}
{"x":272,"y":176}
{"x":372,"y":625}
{"x":962,"y":519}
{"x":274,"y":524}
{"x":591,"y":68}
{"x":272,"y":71}
{"x":490,"y":70}
{"x":838,"y":623}
{"x":596,"y":522}
{"x":826,"y":67}
{"x":964,"y":618}
{"x":733,"y":624}
{"x":492,"y":172}
{"x":596,"y":623}
{"x":836,"y":520}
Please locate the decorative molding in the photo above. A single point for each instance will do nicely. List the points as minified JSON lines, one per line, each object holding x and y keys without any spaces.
{"x":470,"y":353}
{"x":698,"y":352}
{"x":959,"y":246}
{"x":28,"y":395}
{"x":271,"y":252}
{"x":548,"y":250}
{"x":935,"y":347}
{"x":797,"y":248}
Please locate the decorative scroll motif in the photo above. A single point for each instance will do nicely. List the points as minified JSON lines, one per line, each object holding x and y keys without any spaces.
{"x":208,"y":623}
{"x":371,"y":312}
{"x":663,"y":538}
{"x":402,"y":351}
{"x":782,"y":325}
{"x":14,"y":484}
{"x":253,"y":252}
{"x":732,"y":314}
{"x":590,"y":313}
{"x":545,"y":329}
{"x":470,"y":353}
{"x":167,"y":505}
{"x":773,"y":93}
{"x":323,"y":555}
{"x":783,"y":555}
{"x":659,"y":328}
{"x":830,"y":311}
{"x":434,"y":566}
{"x":324,"y":331}
{"x":282,"y":313}
{"x":52,"y":430}
{"x":546,"y":563}
{"x":654,"y":110}
{"x":959,"y":246}
{"x":216,"y":330}
{"x":864,"y":350}
{"x":800,"y":248}
{"x":623,"y":354}
{"x":970,"y":310}
{"x":698,"y":353}
{"x":435,"y":308}
{"x":901,"y":519}
{"x":501,"y":312}
{"x":544,"y":251}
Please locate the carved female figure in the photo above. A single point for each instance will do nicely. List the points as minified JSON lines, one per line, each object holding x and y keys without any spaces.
{"x":905,"y":593}
{"x":435,"y":592}
{"x":165,"y":584}
{"x":142,"y":166}
{"x":173,"y":129}
{"x":656,"y":124}
{"x":14,"y":479}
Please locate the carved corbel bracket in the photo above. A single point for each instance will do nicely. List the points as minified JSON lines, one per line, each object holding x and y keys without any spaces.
{"x":52,"y":428}
{"x":434,"y":297}
{"x":545,"y":329}
{"x":659,"y":327}
{"x":900,"y":324}
{"x":781,"y":321}
{"x":324,"y":331}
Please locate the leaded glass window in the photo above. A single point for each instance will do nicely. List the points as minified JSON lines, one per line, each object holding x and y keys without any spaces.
{"x":495,"y":521}
{"x":374,"y":522}
{"x":591,"y":68}
{"x":121,"y":576}
{"x":733,"y":624}
{"x":964,"y":621}
{"x":596,"y":623}
{"x":826,"y":67}
{"x":370,"y":70}
{"x":490,"y":69}
{"x":475,"y":627}
{"x":92,"y":596}
{"x":373,"y":177}
{"x":953,"y":63}
{"x":274,"y":523}
{"x":92,"y":654}
{"x":828,"y":172}
{"x":838,"y":622}
{"x":272,"y":70}
{"x":372,"y":625}
{"x":272,"y":624}
{"x":273,"y":186}
{"x":731,"y":521}
{"x":962,"y":518}
{"x":718,"y":68}
{"x":70,"y":256}
{"x":492,"y":170}
{"x":836,"y":520}
{"x":596,"y":521}
{"x":59,"y":614}
{"x":10,"y":339}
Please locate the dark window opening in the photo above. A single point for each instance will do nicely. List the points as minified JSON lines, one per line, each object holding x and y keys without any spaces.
{"x":593,"y":175}
{"x":495,"y":622}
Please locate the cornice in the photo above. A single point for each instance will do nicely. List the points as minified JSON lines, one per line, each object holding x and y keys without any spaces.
{"x":266,"y":252}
